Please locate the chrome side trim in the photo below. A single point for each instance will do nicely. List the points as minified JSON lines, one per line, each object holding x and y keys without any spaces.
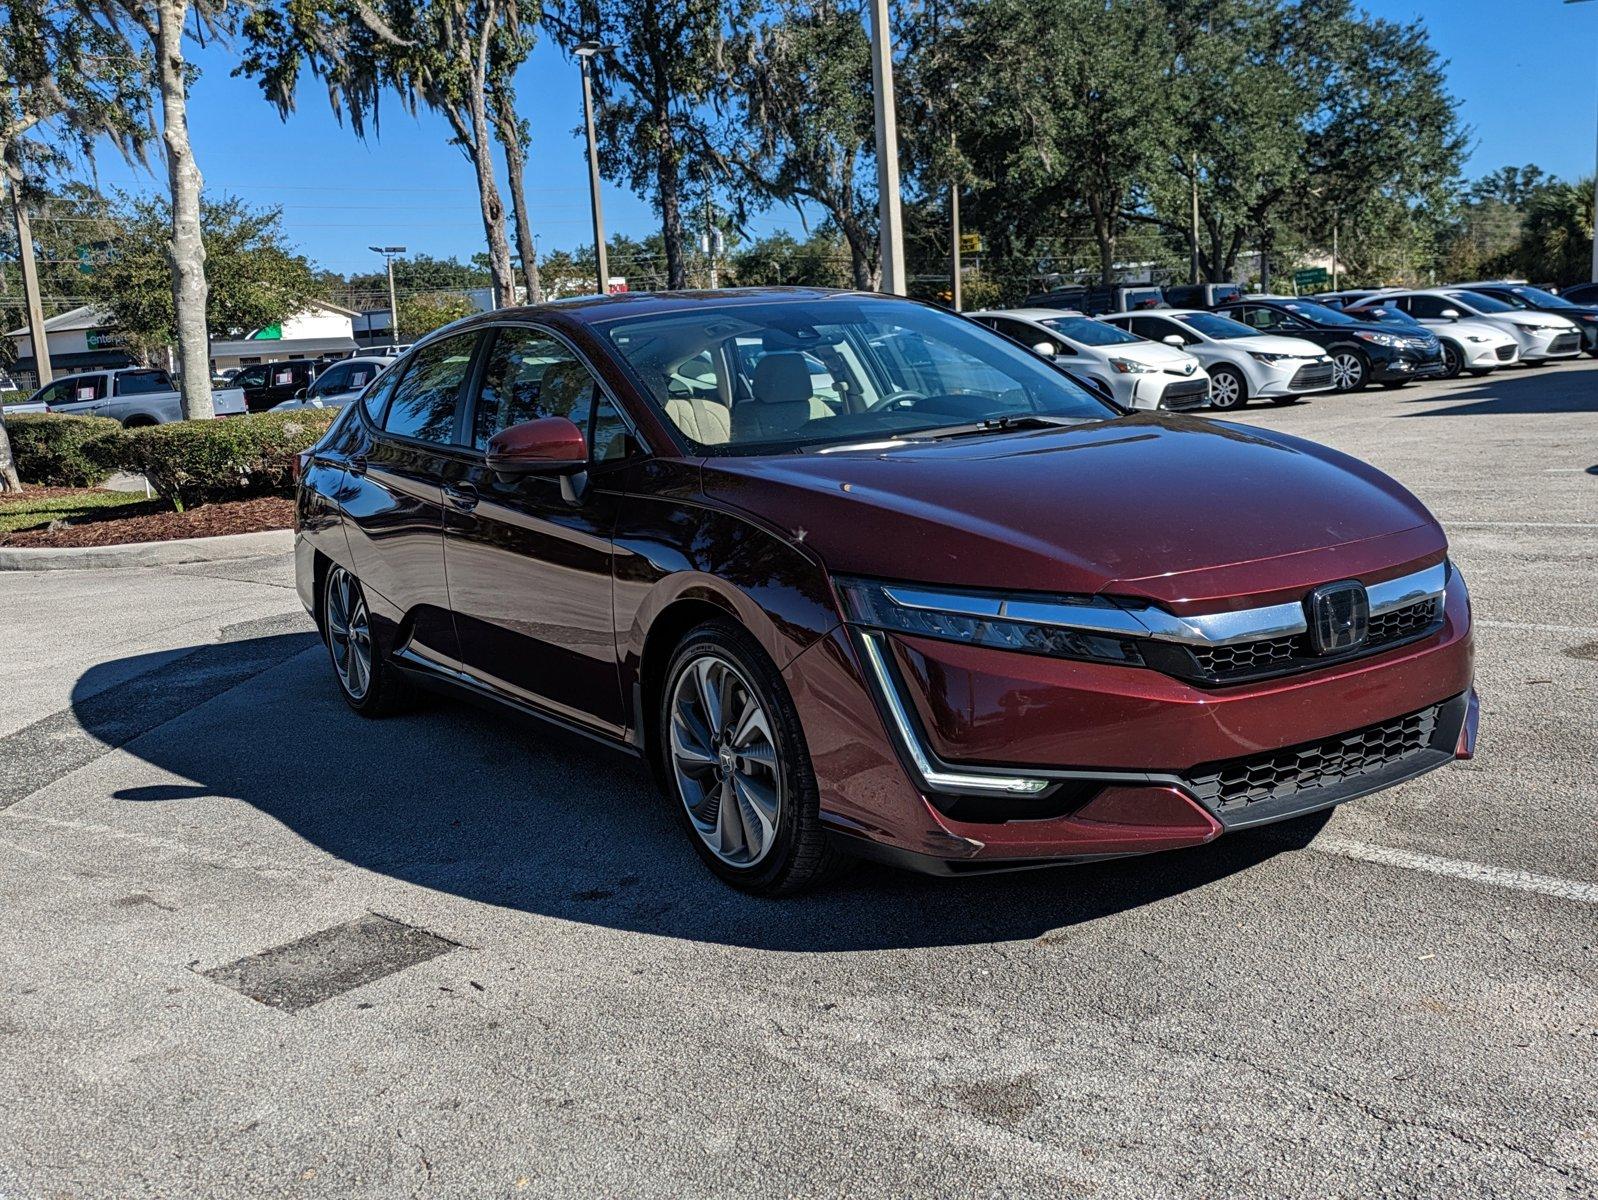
{"x":1407,"y":589}
{"x":931,"y":776}
{"x":1204,"y":629}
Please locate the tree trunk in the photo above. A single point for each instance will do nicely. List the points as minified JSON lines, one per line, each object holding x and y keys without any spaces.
{"x":9,"y":481}
{"x":866,"y":277}
{"x":669,"y":183}
{"x":481,"y":149}
{"x":509,"y":131}
{"x":187,"y":247}
{"x":1104,"y":234}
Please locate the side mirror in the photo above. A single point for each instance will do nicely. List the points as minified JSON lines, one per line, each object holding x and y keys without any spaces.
{"x":1174,"y":339}
{"x":300,"y":393}
{"x":1046,"y":349}
{"x":547,"y":446}
{"x":1451,"y":314}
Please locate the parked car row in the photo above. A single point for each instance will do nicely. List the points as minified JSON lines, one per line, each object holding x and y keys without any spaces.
{"x":147,"y":395}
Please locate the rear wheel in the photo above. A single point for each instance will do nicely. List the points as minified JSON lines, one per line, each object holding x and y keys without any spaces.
{"x":1227,"y":389}
{"x":1453,"y":361}
{"x":736,"y":766}
{"x":368,"y":684}
{"x":1393,"y":385}
{"x":1349,"y":371}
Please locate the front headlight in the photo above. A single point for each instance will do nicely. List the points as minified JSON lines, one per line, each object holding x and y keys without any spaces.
{"x":1471,"y":337}
{"x":1536,"y":326}
{"x":1125,"y":366}
{"x":1265,"y":357}
{"x":983,"y":619}
{"x":1381,"y":339}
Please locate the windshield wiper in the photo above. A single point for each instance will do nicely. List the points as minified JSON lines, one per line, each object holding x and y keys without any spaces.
{"x":1003,"y":424}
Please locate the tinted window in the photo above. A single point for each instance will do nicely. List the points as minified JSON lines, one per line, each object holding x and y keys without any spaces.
{"x":1222,"y":329}
{"x":334,"y":379}
{"x":1090,"y":332}
{"x":250,"y":377}
{"x":79,"y":388}
{"x":1157,"y":329}
{"x":530,"y":375}
{"x":376,"y":396}
{"x":1429,"y":306}
{"x":609,"y":438}
{"x":139,"y":383}
{"x":423,"y":405}
{"x":1483,"y":304}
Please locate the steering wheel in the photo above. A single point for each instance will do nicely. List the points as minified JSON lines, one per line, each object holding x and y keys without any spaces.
{"x":904,"y":398}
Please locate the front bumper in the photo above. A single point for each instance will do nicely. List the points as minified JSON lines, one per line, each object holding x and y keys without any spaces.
{"x":1480,"y":356}
{"x":1163,"y":390}
{"x":1295,"y":377}
{"x":1405,"y":364}
{"x":1549,"y":344}
{"x":1137,"y":761}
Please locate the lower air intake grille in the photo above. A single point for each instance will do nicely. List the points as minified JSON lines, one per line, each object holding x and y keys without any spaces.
{"x":1565,"y":343}
{"x":1236,"y":783}
{"x":1313,"y":376}
{"x":1505,"y":353}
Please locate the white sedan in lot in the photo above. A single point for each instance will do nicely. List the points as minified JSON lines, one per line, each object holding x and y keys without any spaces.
{"x":1541,"y":336}
{"x":1243,"y":363}
{"x":1470,"y":345}
{"x":1138,"y":373}
{"x":342,"y":382}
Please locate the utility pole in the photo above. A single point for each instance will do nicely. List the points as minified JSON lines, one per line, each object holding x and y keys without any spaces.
{"x":1336,"y":225}
{"x":1193,"y":270}
{"x":388,"y":253}
{"x":891,"y":220}
{"x":1594,"y":200}
{"x":30,"y":284}
{"x":954,"y":244}
{"x":584,"y":52}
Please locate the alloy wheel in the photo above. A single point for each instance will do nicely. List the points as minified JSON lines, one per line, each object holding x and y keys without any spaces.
{"x":1225,"y":390}
{"x":349,"y":632}
{"x":1452,"y":362}
{"x":724,"y":760}
{"x":1348,"y":372}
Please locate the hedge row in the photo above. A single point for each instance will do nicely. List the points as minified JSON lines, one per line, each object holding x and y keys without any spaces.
{"x":186,"y":462}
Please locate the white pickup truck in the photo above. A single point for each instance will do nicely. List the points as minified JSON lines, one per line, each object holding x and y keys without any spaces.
{"x":132,"y":395}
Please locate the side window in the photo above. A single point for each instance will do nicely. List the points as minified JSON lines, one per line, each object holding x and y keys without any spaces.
{"x":139,"y":383}
{"x":424,"y":400}
{"x":1156,"y":329}
{"x":359,"y":375}
{"x":1427,"y":306}
{"x":335,"y":379}
{"x":59,"y":392}
{"x":609,"y":440}
{"x":250,"y":377}
{"x":375,"y":398}
{"x":83,"y":387}
{"x":530,"y":375}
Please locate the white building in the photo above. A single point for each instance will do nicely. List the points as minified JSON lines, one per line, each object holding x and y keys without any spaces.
{"x":78,"y":341}
{"x":319,"y":328}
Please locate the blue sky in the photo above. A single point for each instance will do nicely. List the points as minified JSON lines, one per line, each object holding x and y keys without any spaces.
{"x":1524,"y":71}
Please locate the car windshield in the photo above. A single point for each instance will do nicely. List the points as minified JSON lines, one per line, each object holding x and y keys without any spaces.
{"x":794,"y":375}
{"x":1481,"y":303}
{"x":1318,"y":313}
{"x":1089,"y":332}
{"x":1537,"y":298}
{"x":1222,"y":329}
{"x":1383,"y":315}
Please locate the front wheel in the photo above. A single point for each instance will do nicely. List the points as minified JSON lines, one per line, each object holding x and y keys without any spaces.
{"x":1453,"y":361}
{"x":1349,"y":371}
{"x":736,"y":766}
{"x":1227,"y":389}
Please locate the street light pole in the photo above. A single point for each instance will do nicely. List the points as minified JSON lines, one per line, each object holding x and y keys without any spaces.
{"x":891,"y":233}
{"x":585,"y":51}
{"x":1594,"y":198}
{"x":388,"y":253}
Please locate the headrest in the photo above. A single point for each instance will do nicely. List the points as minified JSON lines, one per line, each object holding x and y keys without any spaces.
{"x":782,"y":378}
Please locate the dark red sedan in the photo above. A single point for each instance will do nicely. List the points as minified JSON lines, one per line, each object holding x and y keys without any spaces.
{"x":858,"y":576}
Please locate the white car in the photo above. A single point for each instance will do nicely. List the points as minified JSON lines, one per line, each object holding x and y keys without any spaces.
{"x":134,"y":396}
{"x":1139,"y":373}
{"x":1540,"y":336}
{"x":342,"y":382}
{"x":1243,"y":363}
{"x":1470,"y":345}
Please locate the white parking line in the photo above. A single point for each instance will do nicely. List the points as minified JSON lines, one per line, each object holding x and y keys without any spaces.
{"x":1409,"y":860}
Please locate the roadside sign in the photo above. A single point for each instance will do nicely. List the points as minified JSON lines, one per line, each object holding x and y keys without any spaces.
{"x":970,"y":243}
{"x":1311,"y":277}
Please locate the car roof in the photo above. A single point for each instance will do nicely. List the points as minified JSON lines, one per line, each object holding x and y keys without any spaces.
{"x":594,"y":309}
{"x":1028,"y":314}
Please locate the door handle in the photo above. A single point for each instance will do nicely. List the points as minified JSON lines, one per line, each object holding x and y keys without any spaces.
{"x":461,"y":495}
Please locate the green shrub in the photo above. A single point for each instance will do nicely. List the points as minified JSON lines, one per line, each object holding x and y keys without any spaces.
{"x":57,"y":450}
{"x":191,"y":462}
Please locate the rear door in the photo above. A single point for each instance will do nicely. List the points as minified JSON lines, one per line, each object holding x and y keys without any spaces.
{"x":79,"y":395}
{"x":410,"y":444}
{"x":528,"y":557}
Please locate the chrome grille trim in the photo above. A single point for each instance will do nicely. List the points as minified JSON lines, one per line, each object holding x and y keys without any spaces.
{"x":1097,"y":615}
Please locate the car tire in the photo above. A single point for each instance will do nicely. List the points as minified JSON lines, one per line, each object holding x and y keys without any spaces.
{"x":1228,"y":389}
{"x":368,"y":683}
{"x":1392,"y":385}
{"x":1284,"y":401}
{"x":1453,"y":361}
{"x":775,"y":845}
{"x":1480,"y":372}
{"x":1350,"y":371}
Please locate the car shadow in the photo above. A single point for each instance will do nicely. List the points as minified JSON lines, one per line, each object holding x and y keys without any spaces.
{"x":1515,"y":392}
{"x":492,"y":808}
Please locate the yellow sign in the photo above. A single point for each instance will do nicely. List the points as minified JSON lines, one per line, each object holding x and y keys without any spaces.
{"x":970,"y":243}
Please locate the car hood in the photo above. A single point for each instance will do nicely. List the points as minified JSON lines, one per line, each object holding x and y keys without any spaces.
{"x":1191,"y":513}
{"x":1476,"y":326}
{"x":1153,"y":354}
{"x":1270,"y":343}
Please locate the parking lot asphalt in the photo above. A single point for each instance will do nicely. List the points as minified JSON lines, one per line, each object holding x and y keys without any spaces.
{"x":254,"y":945}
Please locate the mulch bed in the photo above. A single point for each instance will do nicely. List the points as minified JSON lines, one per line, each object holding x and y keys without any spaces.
{"x":154,"y":523}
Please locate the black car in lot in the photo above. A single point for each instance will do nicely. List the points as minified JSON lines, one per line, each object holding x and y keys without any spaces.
{"x":1534,"y":299}
{"x":1363,"y":352}
{"x":268,"y":384}
{"x":1581,"y":293}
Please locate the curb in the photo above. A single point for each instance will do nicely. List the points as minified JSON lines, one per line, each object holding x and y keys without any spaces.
{"x":148,"y":554}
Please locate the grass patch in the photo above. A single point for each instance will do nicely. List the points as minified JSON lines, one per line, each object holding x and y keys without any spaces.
{"x":25,"y":512}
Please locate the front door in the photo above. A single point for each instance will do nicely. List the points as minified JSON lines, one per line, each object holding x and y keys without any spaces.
{"x":528,"y":559}
{"x":393,"y":496}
